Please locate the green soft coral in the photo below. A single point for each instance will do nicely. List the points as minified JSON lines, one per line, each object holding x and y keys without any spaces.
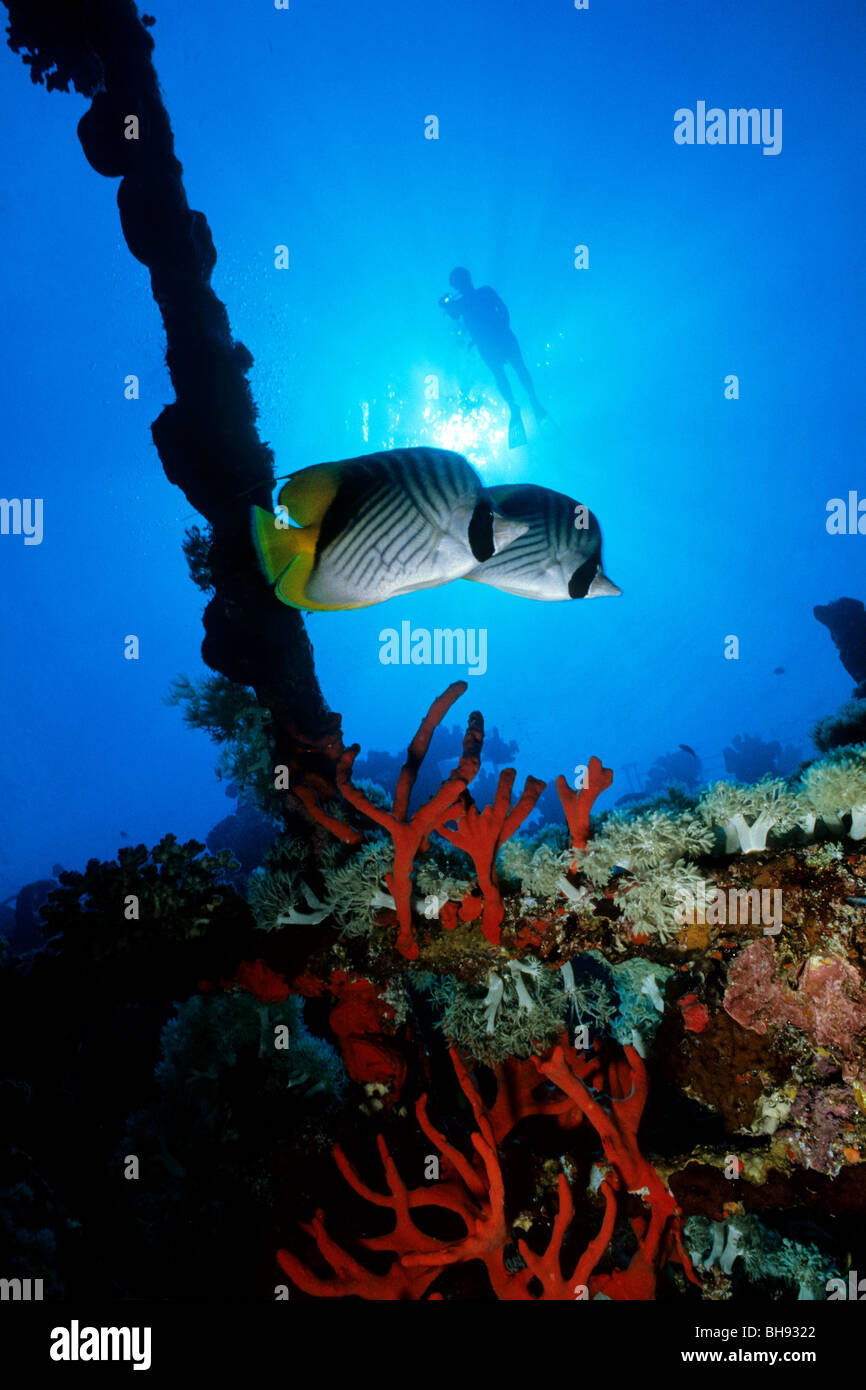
{"x":521,"y":1009}
{"x":208,"y":1033}
{"x":279,"y":892}
{"x":241,"y":728}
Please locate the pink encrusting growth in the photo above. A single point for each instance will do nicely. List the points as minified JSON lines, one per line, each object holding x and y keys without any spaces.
{"x":828,"y":1005}
{"x":473,"y":1188}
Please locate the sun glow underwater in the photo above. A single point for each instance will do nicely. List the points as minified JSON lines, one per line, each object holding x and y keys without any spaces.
{"x":473,"y":424}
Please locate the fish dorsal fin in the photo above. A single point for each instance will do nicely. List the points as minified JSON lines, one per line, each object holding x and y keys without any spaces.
{"x":308,"y":495}
{"x":500,"y":493}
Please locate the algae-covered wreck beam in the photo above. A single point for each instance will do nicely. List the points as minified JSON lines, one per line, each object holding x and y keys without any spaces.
{"x":206,"y":438}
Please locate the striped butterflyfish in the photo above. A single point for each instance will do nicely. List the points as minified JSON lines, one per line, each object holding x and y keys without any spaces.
{"x":559,"y":554}
{"x":370,"y":528}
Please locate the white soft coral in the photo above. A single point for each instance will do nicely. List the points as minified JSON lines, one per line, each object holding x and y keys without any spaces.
{"x":748,"y":814}
{"x":836,"y":787}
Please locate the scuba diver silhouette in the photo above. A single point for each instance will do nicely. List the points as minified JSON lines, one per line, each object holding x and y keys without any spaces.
{"x":486,"y":318}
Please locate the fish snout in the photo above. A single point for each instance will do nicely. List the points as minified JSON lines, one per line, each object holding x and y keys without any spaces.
{"x":602,"y":587}
{"x":505,"y":531}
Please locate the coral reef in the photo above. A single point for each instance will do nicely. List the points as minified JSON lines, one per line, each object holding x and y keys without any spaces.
{"x":473,"y":1189}
{"x":505,"y":998}
{"x":452,"y":814}
{"x":593,"y":1064}
{"x":743,"y":1248}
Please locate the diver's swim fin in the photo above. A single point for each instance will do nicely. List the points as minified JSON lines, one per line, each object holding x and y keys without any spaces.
{"x":516,"y":433}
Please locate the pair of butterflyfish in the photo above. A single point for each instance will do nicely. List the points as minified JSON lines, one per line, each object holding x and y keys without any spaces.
{"x":372,"y":528}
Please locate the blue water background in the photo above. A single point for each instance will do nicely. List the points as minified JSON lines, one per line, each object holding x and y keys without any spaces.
{"x":306,"y":128}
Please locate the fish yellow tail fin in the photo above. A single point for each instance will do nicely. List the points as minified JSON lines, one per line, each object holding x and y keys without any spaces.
{"x":286,"y":555}
{"x":276,"y":546}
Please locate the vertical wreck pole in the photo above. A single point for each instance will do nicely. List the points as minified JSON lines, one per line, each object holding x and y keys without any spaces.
{"x":206,"y":438}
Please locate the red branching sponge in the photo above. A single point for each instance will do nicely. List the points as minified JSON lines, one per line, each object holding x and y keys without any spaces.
{"x":521,"y":1092}
{"x":480,"y":834}
{"x":474,"y":1189}
{"x":658,"y":1234}
{"x":306,"y":794}
{"x":409,"y":835}
{"x":452,"y":813}
{"x":362,"y":1022}
{"x":578,"y":804}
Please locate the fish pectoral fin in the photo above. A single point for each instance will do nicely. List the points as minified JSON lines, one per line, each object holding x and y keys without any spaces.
{"x":308,"y":494}
{"x":602,"y":587}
